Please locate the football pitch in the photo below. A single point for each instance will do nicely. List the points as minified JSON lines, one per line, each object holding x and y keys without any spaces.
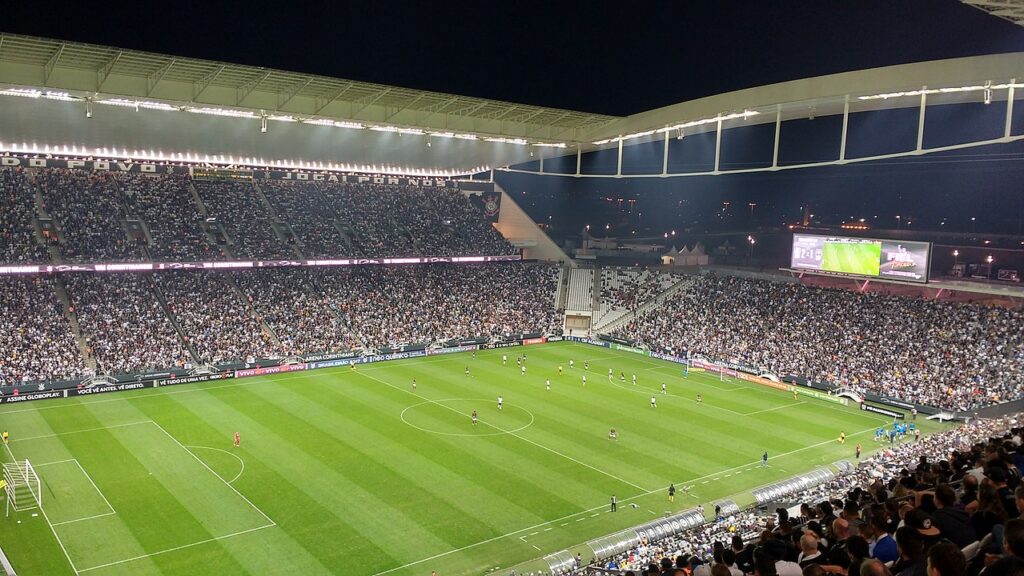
{"x":862,"y":258}
{"x":355,"y":472}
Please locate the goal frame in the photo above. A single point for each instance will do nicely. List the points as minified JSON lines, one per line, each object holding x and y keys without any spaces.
{"x":21,"y":476}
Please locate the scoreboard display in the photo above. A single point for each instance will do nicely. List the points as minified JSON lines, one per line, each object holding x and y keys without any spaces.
{"x":863,"y":257}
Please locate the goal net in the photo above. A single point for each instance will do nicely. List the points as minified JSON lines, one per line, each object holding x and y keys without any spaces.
{"x":22,"y":486}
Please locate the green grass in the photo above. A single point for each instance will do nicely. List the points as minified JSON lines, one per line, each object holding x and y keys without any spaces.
{"x":354,"y":472}
{"x":852,"y":258}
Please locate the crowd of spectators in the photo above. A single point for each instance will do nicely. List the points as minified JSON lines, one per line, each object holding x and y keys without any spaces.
{"x":953,"y":499}
{"x":218,"y":323}
{"x":35,"y":336}
{"x":17,"y":216}
{"x":95,"y":214}
{"x":953,"y":355}
{"x":165,"y":204}
{"x":311,"y":216}
{"x":124,"y":326}
{"x":395,"y":221}
{"x":89,"y":211}
{"x":302,"y":319}
{"x":240,"y":212}
{"x":397,"y":305}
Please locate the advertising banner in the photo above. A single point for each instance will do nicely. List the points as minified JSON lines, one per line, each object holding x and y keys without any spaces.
{"x":668,"y":357}
{"x":34,"y":396}
{"x":505,"y":344}
{"x":195,"y":378}
{"x":269,"y":370}
{"x":630,"y":349}
{"x":450,"y":350}
{"x":864,"y":257}
{"x":822,"y":396}
{"x":882,"y":411}
{"x":530,"y":341}
{"x":590,"y":341}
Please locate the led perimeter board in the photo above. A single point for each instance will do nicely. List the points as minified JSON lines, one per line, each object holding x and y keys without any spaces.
{"x":864,"y":257}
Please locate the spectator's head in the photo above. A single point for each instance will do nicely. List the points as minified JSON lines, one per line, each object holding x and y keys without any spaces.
{"x":1008,"y":566}
{"x":814,"y":570}
{"x":841,"y":528}
{"x":1013,"y":537}
{"x":873,"y":567}
{"x":909,"y":543}
{"x":920,"y":521}
{"x":1018,"y":497}
{"x":808,"y":544}
{"x":728,"y":557}
{"x":857,"y":547}
{"x":945,"y":497}
{"x":946,"y":559}
{"x":764,"y":565}
{"x":720,"y":570}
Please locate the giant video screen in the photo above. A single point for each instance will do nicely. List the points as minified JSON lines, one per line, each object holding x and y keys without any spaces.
{"x":867,"y":257}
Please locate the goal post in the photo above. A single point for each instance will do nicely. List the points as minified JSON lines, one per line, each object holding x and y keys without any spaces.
{"x":22,"y":486}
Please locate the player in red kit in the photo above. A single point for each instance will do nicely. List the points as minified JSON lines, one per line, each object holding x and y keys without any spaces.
{"x":238,"y":439}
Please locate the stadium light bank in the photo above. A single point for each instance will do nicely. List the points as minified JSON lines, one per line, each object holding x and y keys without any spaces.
{"x":264,"y":118}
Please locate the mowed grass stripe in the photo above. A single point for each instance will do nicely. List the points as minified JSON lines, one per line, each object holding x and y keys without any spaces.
{"x":468,"y":467}
{"x":352,"y":525}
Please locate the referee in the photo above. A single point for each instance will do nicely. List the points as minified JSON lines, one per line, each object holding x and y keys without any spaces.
{"x":614,"y":503}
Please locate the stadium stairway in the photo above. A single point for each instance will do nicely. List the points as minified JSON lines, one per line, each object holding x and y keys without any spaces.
{"x":76,"y":330}
{"x":562,"y":288}
{"x":162,"y":300}
{"x":617,"y":322}
{"x":252,"y":309}
{"x":277,"y":223}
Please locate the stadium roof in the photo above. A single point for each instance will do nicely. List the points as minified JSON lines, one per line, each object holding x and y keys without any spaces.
{"x":509,"y":133}
{"x":1012,"y":10}
{"x":75,"y":66}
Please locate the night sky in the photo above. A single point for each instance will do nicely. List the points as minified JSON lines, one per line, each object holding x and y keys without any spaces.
{"x":608,"y":57}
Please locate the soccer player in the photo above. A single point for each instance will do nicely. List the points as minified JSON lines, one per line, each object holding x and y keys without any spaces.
{"x":559,"y":369}
{"x":622,"y":376}
{"x":500,"y":401}
{"x":413,"y":383}
{"x":522,"y":370}
{"x":671,"y":492}
{"x":571,"y":363}
{"x":504,"y":359}
{"x":474,"y":354}
{"x":609,"y":373}
{"x":654,"y":401}
{"x":584,"y":380}
{"x":615,"y":503}
{"x":764,"y":459}
{"x":473,"y":417}
{"x":842,"y":438}
{"x":664,"y":390}
{"x":519,"y":361}
{"x":586,"y":365}
{"x":351,"y":364}
{"x":795,"y":393}
{"x":858,"y":450}
{"x":547,"y":384}
{"x":613,"y":435}
{"x":913,"y":413}
{"x":467,"y":370}
{"x":238,"y":439}
{"x":6,"y":437}
{"x":917,"y":435}
{"x":634,"y":379}
{"x":700,"y":398}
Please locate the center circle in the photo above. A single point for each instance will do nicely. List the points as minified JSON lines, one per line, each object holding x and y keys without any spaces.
{"x":452,"y":417}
